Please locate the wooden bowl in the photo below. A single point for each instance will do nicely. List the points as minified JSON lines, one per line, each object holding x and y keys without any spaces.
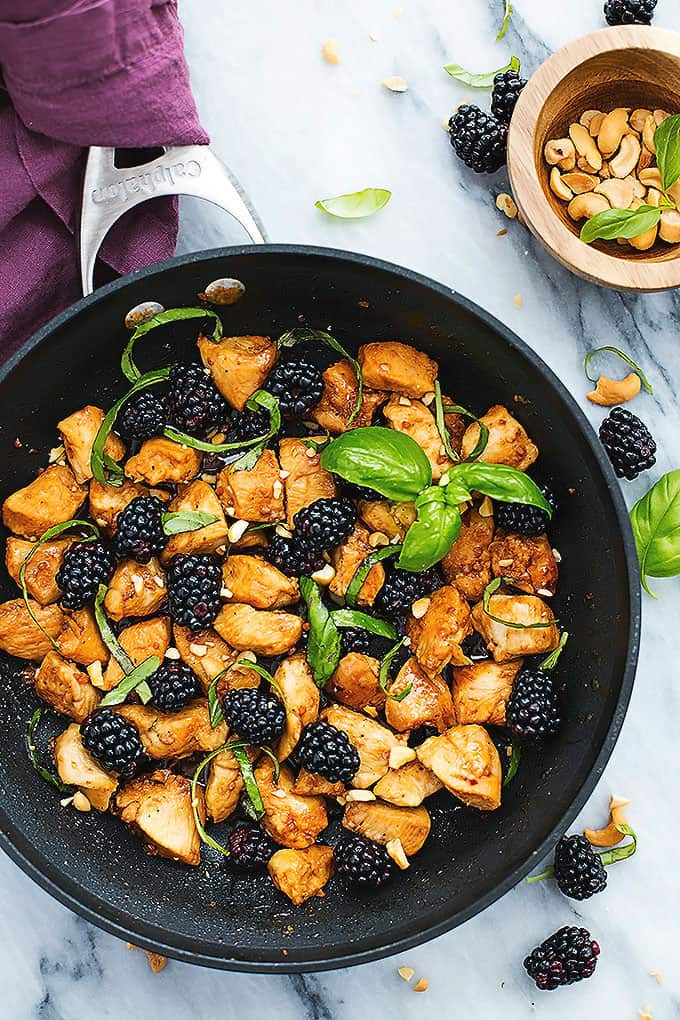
{"x":631,"y":66}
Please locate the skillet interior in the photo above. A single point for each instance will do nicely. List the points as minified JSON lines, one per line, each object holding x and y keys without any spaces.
{"x":208,"y":915}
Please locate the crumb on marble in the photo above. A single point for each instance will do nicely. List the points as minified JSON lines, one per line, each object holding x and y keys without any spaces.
{"x":405,"y":973}
{"x":421,"y":985}
{"x":658,"y":975}
{"x":395,"y":83}
{"x":373,"y":36}
{"x":502,"y":232}
{"x":156,"y":961}
{"x":646,"y":1013}
{"x":330,"y":51}
{"x":518,"y":301}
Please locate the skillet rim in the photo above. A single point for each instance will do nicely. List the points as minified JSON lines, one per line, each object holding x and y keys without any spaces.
{"x":374,"y":948}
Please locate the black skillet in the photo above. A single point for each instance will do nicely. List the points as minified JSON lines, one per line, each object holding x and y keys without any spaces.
{"x":208,"y":915}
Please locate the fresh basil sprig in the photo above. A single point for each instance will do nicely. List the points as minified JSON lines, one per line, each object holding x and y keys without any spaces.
{"x":100,"y":462}
{"x":434,"y":531}
{"x":356,"y":205}
{"x":302,"y":334}
{"x":480,"y":81}
{"x":178,"y":523}
{"x":619,"y":354}
{"x":506,"y":21}
{"x":50,"y":777}
{"x":364,"y":569}
{"x":384,"y":674}
{"x":323,"y":640}
{"x":130,"y":370}
{"x":625,"y":223}
{"x":667,"y":144}
{"x":656,"y":526}
{"x":511,"y":582}
{"x":383,"y":459}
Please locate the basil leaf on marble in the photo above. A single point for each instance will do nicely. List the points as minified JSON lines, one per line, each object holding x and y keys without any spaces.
{"x":323,"y":640}
{"x":479,"y":81}
{"x":656,"y":526}
{"x":383,"y":459}
{"x":434,"y":531}
{"x":356,"y":205}
{"x":627,"y":223}
{"x":185,"y":520}
{"x":506,"y":21}
{"x":619,"y":354}
{"x":667,"y":142}
{"x":130,"y":370}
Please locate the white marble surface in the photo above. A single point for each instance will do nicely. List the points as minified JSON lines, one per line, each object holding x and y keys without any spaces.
{"x":295,"y":129}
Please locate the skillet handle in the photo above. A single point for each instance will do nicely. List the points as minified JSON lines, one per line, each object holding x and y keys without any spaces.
{"x":109,"y":192}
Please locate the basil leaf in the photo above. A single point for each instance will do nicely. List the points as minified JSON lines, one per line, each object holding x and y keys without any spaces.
{"x":656,"y":526}
{"x":506,"y":21}
{"x":480,"y":445}
{"x":134,"y":681}
{"x":613,"y":223}
{"x":185,"y":520}
{"x":620,"y":853}
{"x":252,"y":790}
{"x":500,"y":482}
{"x":200,"y":828}
{"x":323,"y":640}
{"x":130,"y":370}
{"x":667,"y":142}
{"x":514,"y":762}
{"x":383,"y":675}
{"x":108,"y":637}
{"x":383,"y":459}
{"x":491,"y":589}
{"x":433,"y":533}
{"x":356,"y":205}
{"x":441,"y":423}
{"x":214,"y":707}
{"x":354,"y":618}
{"x":479,"y":81}
{"x":624,"y":357}
{"x":44,"y":773}
{"x":364,"y":569}
{"x":100,"y":462}
{"x":303,"y":335}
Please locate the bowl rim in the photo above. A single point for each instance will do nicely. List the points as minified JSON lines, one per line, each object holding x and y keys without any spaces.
{"x":143,"y":934}
{"x":591,"y":263}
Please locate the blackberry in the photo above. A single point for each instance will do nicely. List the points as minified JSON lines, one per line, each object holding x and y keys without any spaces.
{"x":250,"y":847}
{"x":297,"y":384}
{"x":533,"y":707}
{"x":629,"y":12}
{"x":578,"y":870}
{"x":363,"y":862}
{"x":402,"y":588}
{"x":325,"y":523}
{"x":194,"y":403}
{"x":474,"y":646}
{"x":247,"y":425}
{"x":257,"y":717}
{"x":355,"y":639}
{"x":326,"y":750}
{"x":194,"y":586}
{"x":85,"y":566}
{"x":139,"y":530}
{"x":173,"y":685}
{"x":478,"y":139}
{"x":112,"y":741}
{"x":567,"y":956}
{"x":357,"y":491}
{"x":507,"y":87}
{"x":522,"y":518}
{"x":142,"y":417}
{"x":628,"y":442}
{"x":293,"y":557}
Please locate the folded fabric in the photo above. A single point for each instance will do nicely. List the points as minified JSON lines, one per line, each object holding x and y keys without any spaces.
{"x":80,"y":73}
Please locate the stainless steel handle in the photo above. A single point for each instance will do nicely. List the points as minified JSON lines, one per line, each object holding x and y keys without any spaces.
{"x":109,"y":192}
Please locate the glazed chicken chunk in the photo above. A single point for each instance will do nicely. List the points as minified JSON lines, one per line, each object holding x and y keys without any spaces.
{"x":77,"y":767}
{"x":305,"y":479}
{"x":224,"y":787}
{"x":441,"y":631}
{"x":347,"y":558}
{"x":78,"y":433}
{"x":506,"y":643}
{"x":339,"y":399}
{"x":300,"y":874}
{"x":384,"y":822}
{"x":481,"y":691}
{"x":20,"y":636}
{"x":428,"y":702}
{"x":508,"y":443}
{"x":407,"y":786}
{"x":415,"y":420}
{"x":392,"y":519}
{"x":41,"y":570}
{"x":158,"y":808}
{"x":372,"y":740}
{"x":314,"y":784}
{"x":301,"y":698}
{"x":466,"y":760}
{"x":197,"y":496}
{"x":290,"y":819}
{"x":529,"y":560}
{"x":239,"y":365}
{"x":65,"y":687}
{"x":79,"y":638}
{"x":139,"y":640}
{"x":254,"y":581}
{"x":135,"y":589}
{"x":204,"y":651}
{"x":467,"y":564}
{"x":107,"y":501}
{"x":162,"y":460}
{"x":175,"y":734}
{"x":355,"y":682}
{"x":52,"y":498}
{"x":397,"y":367}
{"x":255,"y":495}
{"x":258,"y":630}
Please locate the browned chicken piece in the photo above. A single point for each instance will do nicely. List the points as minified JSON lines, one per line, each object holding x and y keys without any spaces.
{"x":355,"y":682}
{"x":397,"y":367}
{"x":530,"y":561}
{"x":204,"y":651}
{"x":481,"y":691}
{"x":508,"y":442}
{"x":467,"y":564}
{"x":301,"y":874}
{"x":65,"y":687}
{"x":78,"y":433}
{"x":224,"y":786}
{"x":466,"y":760}
{"x":506,"y":643}
{"x":52,"y":498}
{"x":41,"y":571}
{"x":158,"y":808}
{"x":79,"y":638}
{"x":237,"y":678}
{"x":250,"y":539}
{"x":407,"y":786}
{"x":417,"y":421}
{"x":107,"y":501}
{"x":372,"y":740}
{"x":18,"y":633}
{"x":339,"y":398}
{"x":197,"y":495}
{"x":384,"y":822}
{"x":291,"y":819}
{"x":175,"y":734}
{"x":312,"y":783}
{"x":255,"y":495}
{"x":161,"y":460}
{"x":76,"y":767}
{"x":136,"y":589}
{"x":427,"y":704}
{"x":347,"y":558}
{"x":305,"y":481}
{"x":239,"y":365}
{"x":259,"y":584}
{"x":301,"y":698}
{"x":258,"y":630}
{"x":392,"y":519}
{"x":444,"y":627}
{"x":139,"y":640}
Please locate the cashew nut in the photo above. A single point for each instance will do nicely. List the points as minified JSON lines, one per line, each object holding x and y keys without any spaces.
{"x":584,"y":207}
{"x":559,"y":150}
{"x":625,"y":162}
{"x":651,"y":178}
{"x":619,"y":193}
{"x":647,"y":240}
{"x":580,"y":182}
{"x":669,"y":228}
{"x":654,"y":198}
{"x":588,"y":116}
{"x":559,"y":187}
{"x":638,"y":118}
{"x":610,"y":835}
{"x":612,"y":131}
{"x":595,"y":125}
{"x":610,"y":392}
{"x":585,"y":146}
{"x":660,"y":116}
{"x":605,"y":172}
{"x":585,"y":167}
{"x":506,"y":204}
{"x":648,"y":132}
{"x":645,"y":161}
{"x":674,"y":193}
{"x":639,"y":190}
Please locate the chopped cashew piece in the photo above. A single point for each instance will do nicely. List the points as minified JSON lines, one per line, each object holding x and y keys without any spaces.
{"x":610,"y":835}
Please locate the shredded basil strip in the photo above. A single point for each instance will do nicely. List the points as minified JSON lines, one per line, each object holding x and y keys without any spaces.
{"x":133,"y":681}
{"x":323,"y":640}
{"x":205,"y":836}
{"x":492,"y":587}
{"x":265,"y":674}
{"x":383,"y":676}
{"x":354,"y":618}
{"x":441,"y":423}
{"x":108,"y":637}
{"x":186,"y":520}
{"x":514,"y":762}
{"x":302,"y":334}
{"x":100,"y":462}
{"x":506,"y":21}
{"x":53,"y":532}
{"x":260,"y":400}
{"x":130,"y":370}
{"x":364,"y":569}
{"x":214,"y":707}
{"x":624,"y":357}
{"x":480,"y":445}
{"x":550,"y":661}
{"x":44,"y":773}
{"x":251,"y":788}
